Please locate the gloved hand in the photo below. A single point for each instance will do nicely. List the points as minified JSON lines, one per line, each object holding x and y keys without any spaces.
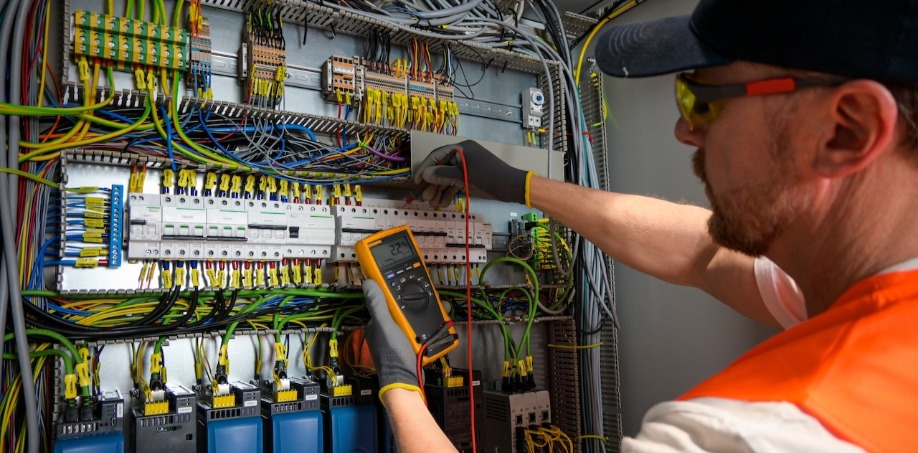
{"x":395,"y":360}
{"x":440,"y":176}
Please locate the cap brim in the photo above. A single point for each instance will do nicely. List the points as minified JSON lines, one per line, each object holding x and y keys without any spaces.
{"x":653,"y":48}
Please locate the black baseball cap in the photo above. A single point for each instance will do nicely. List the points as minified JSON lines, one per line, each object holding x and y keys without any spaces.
{"x":871,"y":39}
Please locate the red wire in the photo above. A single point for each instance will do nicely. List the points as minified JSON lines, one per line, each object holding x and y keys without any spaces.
{"x":420,"y":370}
{"x":468,"y":298}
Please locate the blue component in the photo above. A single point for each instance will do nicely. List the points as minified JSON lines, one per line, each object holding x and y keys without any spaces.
{"x":298,"y":432}
{"x":115,"y":225}
{"x":353,"y":429}
{"x":242,"y":435}
{"x":102,"y":443}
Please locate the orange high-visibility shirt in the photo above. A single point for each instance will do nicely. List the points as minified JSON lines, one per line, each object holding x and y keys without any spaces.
{"x":854,"y":367}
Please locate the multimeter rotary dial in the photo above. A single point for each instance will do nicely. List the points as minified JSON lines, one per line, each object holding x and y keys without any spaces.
{"x":414,"y":297}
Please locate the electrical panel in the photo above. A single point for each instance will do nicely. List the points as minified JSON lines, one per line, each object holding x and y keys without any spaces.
{"x":192,"y":179}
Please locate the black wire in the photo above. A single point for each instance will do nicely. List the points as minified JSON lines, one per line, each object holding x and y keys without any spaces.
{"x":192,"y":306}
{"x":39,"y":318}
{"x":161,"y":309}
{"x":218,"y":301}
{"x":460,"y":67}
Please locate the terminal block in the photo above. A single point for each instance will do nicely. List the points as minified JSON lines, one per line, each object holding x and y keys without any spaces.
{"x":263,"y":58}
{"x":342,"y":77}
{"x":127,"y":42}
{"x":200,"y":58}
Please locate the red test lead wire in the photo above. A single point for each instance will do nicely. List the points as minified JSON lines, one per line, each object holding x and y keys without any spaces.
{"x":421,"y":371}
{"x":468,"y":297}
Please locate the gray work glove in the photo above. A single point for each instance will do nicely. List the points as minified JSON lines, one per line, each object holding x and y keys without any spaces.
{"x":440,"y":176}
{"x":395,"y":360}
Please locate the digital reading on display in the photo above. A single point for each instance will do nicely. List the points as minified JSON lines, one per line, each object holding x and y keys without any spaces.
{"x":393,"y":251}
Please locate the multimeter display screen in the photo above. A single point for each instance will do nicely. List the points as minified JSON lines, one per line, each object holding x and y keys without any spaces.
{"x":393,"y":251}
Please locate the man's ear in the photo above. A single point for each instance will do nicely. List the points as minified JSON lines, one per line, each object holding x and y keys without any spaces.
{"x":864,"y":115}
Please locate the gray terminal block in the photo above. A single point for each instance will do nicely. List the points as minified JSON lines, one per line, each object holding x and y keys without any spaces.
{"x":174,"y":432}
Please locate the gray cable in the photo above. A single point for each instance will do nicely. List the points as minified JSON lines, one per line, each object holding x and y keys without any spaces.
{"x":5,"y":30}
{"x":4,"y":296}
{"x":8,"y":216}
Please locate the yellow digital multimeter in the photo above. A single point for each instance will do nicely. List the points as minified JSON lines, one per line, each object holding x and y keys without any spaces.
{"x":391,"y":258}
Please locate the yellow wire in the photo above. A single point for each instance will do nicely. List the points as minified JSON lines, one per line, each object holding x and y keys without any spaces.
{"x":602,"y":439}
{"x":14,"y":391}
{"x":139,"y":309}
{"x":90,"y":91}
{"x":44,"y":57}
{"x":13,"y":395}
{"x":28,"y":175}
{"x":586,"y":42}
{"x":41,"y":148}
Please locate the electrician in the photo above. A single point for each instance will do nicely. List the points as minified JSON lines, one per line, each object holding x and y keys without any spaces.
{"x":804,"y":114}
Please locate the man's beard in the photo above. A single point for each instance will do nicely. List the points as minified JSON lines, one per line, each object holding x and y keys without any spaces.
{"x":748,"y":219}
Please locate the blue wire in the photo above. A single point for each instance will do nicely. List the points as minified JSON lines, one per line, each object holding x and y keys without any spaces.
{"x":38,"y":265}
{"x":68,"y":311}
{"x":168,"y":137}
{"x":115,"y":116}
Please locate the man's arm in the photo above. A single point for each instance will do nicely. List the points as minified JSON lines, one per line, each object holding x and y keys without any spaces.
{"x":667,"y":240}
{"x":414,"y":428}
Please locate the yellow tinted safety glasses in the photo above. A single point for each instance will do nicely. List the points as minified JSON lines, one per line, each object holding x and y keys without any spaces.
{"x":698,"y":104}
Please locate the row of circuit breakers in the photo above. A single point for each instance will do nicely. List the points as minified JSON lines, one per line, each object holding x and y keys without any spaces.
{"x":177,"y":227}
{"x":313,"y":422}
{"x":183,"y":228}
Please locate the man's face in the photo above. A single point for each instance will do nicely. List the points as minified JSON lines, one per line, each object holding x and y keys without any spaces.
{"x":746,"y":162}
